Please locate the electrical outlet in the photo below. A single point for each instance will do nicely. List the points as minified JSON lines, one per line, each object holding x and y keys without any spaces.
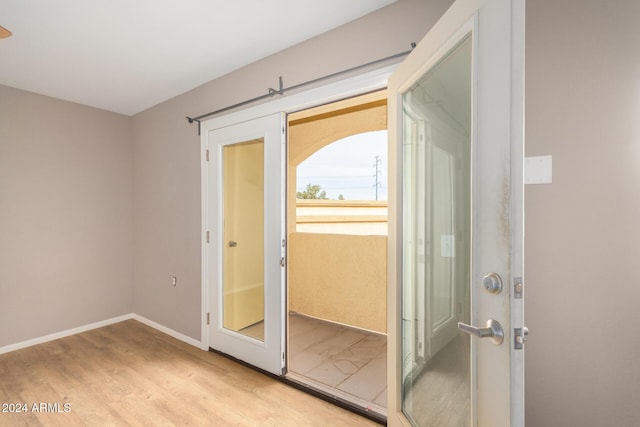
{"x":174,"y":281}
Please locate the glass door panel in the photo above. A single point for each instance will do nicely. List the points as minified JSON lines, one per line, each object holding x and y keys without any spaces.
{"x":437,"y":242}
{"x":243,"y":253}
{"x":456,"y":140}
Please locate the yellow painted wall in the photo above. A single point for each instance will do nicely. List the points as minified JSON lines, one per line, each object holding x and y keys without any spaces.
{"x":341,"y":217}
{"x":243,"y":274}
{"x":341,"y":278}
{"x":315,"y":128}
{"x":337,"y":277}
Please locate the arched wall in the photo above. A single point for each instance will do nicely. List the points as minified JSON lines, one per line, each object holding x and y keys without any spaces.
{"x":336,"y":277}
{"x":315,"y":128}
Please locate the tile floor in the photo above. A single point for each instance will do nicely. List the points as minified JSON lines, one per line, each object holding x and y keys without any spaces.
{"x":345,"y":362}
{"x":254,"y":331}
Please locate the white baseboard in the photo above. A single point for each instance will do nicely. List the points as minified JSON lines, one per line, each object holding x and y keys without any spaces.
{"x":175,"y":334}
{"x":73,"y":331}
{"x":62,"y":334}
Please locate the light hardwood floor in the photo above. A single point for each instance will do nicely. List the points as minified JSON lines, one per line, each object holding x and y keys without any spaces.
{"x":131,"y":374}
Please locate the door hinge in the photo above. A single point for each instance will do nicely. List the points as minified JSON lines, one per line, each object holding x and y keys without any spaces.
{"x":208,"y":318}
{"x":282,"y":262}
{"x":207,"y":236}
{"x":207,"y":154}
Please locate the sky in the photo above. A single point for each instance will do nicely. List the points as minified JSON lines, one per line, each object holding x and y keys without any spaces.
{"x":347,"y":167}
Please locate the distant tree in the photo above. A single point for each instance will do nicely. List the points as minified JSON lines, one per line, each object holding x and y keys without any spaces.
{"x":340,"y":197}
{"x":313,"y":191}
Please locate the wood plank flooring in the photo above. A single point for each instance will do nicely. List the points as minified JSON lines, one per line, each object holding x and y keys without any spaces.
{"x":130,"y":374}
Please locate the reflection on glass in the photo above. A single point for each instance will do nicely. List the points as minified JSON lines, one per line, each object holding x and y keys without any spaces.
{"x":436,"y":239}
{"x":243,"y":244}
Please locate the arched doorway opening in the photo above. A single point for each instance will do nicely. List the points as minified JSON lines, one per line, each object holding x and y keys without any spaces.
{"x":337,"y":241}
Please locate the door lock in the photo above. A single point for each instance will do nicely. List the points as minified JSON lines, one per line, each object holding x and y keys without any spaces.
{"x":493,"y":330}
{"x":232,"y":244}
{"x":492,"y":282}
{"x":519,"y":337}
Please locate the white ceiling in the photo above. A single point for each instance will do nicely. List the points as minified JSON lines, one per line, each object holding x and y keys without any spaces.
{"x":128,"y":55}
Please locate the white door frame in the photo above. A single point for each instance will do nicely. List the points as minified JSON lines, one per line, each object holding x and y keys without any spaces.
{"x":349,"y":87}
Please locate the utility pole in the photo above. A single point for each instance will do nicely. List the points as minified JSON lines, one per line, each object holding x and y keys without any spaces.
{"x":377,"y":173}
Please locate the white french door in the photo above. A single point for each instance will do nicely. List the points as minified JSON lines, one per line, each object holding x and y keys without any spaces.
{"x":243,"y":215}
{"x":456,"y":222}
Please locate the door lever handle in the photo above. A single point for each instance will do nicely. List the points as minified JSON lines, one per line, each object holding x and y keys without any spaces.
{"x":493,"y":330}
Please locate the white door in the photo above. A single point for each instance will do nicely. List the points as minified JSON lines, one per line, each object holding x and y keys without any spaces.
{"x":456,"y":233}
{"x":244,"y":217}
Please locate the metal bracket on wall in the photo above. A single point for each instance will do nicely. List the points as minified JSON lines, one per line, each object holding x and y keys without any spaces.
{"x":280,"y":90}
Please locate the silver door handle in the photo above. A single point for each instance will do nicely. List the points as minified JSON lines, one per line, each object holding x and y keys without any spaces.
{"x":232,"y":244}
{"x":493,"y":330}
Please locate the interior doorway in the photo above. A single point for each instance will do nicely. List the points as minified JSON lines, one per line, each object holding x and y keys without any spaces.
{"x":337,"y":243}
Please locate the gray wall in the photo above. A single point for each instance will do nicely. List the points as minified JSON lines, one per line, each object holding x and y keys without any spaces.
{"x":583,"y":231}
{"x":65,"y":215}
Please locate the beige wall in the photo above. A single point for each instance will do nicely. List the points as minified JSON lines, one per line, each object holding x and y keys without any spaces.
{"x":583,"y":231}
{"x":358,"y":217}
{"x":340,"y":278}
{"x":65,"y":215}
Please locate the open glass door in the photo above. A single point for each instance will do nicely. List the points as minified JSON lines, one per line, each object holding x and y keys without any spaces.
{"x":246,"y":241}
{"x":456,"y":241}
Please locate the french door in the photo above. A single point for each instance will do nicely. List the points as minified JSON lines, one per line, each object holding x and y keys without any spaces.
{"x":456,"y":241}
{"x":455,"y":299}
{"x":244,"y":217}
